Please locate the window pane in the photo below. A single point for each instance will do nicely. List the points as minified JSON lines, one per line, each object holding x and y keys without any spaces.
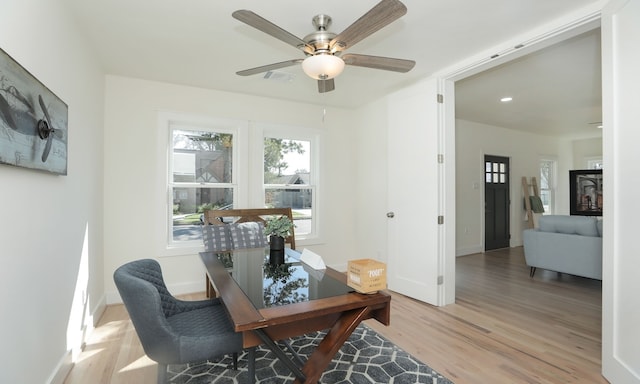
{"x":203,"y":157}
{"x":286,"y":161}
{"x":487,"y":166}
{"x":503,"y":178}
{"x":594,"y":164}
{"x":547,"y":184}
{"x":188,"y":206}
{"x":299,"y":199}
{"x":545,"y":196}
{"x":545,"y":174}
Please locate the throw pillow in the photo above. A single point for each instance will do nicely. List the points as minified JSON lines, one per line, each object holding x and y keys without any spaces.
{"x":248,"y":235}
{"x":216,"y":238}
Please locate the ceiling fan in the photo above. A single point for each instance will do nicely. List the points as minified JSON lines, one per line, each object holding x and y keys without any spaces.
{"x":324,"y":50}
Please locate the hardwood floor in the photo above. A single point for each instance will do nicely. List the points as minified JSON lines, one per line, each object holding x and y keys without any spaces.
{"x":504,"y":328}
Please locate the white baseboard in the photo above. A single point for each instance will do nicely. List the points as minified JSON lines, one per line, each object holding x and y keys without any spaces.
{"x":99,"y":310}
{"x":66,"y":363}
{"x":185,"y":288}
{"x":62,"y":370}
{"x":113,"y":297}
{"x":469,"y":250}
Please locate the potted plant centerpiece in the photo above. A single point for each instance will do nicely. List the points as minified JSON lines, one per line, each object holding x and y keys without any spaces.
{"x":278,"y":228}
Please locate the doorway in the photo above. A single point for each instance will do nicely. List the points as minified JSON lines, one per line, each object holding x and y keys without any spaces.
{"x":497,"y":232}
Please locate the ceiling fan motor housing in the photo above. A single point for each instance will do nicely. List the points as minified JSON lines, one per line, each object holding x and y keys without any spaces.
{"x":321,"y":38}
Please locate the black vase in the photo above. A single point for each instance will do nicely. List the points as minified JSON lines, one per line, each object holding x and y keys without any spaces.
{"x":276,"y":257}
{"x":276,"y":243}
{"x":276,"y":252}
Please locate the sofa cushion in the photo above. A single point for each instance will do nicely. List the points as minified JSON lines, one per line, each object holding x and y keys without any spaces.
{"x":571,"y":225}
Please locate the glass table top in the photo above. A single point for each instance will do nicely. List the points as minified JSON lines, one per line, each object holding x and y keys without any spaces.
{"x":267,"y":284}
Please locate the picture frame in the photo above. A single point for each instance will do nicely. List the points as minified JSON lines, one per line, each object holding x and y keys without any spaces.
{"x":33,"y":121}
{"x":585,"y":188}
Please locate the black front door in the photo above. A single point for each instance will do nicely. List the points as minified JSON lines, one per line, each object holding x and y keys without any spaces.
{"x":496,"y":202}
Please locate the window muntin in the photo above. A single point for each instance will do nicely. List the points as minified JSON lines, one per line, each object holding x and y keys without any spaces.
{"x":201,"y":176}
{"x":495,"y":172}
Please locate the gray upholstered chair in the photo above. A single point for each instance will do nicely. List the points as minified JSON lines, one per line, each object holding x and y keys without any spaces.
{"x":174,"y":331}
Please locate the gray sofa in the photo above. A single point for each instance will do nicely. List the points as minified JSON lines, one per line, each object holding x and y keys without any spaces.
{"x":568,"y":244}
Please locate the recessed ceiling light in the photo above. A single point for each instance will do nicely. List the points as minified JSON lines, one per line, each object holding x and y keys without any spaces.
{"x":506,"y":99}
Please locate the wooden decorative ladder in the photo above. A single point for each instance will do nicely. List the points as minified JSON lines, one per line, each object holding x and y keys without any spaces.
{"x":526,"y":189}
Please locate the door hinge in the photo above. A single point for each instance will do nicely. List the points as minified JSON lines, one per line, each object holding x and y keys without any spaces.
{"x":440,"y":219}
{"x":440,"y":98}
{"x":440,"y":158}
{"x":440,"y":280}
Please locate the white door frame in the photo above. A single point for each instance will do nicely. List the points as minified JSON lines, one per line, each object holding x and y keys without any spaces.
{"x":613,"y":350}
{"x":570,"y":26}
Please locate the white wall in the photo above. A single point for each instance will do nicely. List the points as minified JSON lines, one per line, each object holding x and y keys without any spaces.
{"x":620,"y":283}
{"x":371,"y":181}
{"x":51,"y":227}
{"x":584,"y":150}
{"x":473,"y":141}
{"x":131,"y":164}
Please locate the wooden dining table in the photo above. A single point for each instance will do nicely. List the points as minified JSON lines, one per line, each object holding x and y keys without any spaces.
{"x":269,"y":303}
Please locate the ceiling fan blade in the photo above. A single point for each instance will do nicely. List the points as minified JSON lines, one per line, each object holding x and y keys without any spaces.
{"x":381,"y":15}
{"x":258,"y":22}
{"x":270,"y":67}
{"x":379,"y":62}
{"x":326,"y":85}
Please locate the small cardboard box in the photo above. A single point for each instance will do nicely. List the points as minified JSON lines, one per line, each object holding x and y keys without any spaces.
{"x":367,"y":275}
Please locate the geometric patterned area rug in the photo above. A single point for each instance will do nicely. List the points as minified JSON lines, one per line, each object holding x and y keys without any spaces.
{"x":366,"y":357}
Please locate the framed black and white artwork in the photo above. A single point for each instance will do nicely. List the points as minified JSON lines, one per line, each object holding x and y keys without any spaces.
{"x":33,"y":121}
{"x":585,"y":187}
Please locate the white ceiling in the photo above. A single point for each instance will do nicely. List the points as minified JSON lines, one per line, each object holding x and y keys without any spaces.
{"x":556,"y":91}
{"x":197,"y":43}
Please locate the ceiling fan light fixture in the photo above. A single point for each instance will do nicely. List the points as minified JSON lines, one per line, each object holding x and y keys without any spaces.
{"x":323,"y":66}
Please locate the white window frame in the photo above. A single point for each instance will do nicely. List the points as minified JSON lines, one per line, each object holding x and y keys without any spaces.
{"x":552,"y":183}
{"x":314,"y":138}
{"x":167,"y":122}
{"x":594,"y":162}
{"x":248,"y":159}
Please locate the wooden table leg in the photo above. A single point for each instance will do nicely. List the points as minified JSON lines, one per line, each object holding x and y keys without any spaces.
{"x":209,"y":291}
{"x":331,"y":344}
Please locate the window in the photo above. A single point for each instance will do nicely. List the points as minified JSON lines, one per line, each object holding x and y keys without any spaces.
{"x":547,"y":184}
{"x":594,"y":163}
{"x":290,"y":179}
{"x":201,"y":177}
{"x":495,"y":172}
{"x":207,"y":163}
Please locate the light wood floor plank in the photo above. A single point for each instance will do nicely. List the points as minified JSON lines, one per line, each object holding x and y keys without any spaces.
{"x":504,"y":328}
